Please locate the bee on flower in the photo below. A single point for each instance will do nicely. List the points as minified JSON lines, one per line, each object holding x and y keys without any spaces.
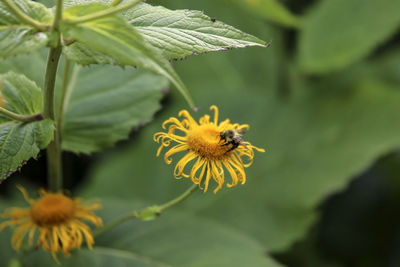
{"x":212,"y":149}
{"x":58,"y":220}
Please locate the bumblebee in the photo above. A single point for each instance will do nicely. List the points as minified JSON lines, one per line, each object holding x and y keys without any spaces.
{"x":232,"y":137}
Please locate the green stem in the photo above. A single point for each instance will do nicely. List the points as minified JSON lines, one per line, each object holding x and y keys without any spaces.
{"x":116,"y":222}
{"x":19,"y":117}
{"x":58,"y":15}
{"x":28,"y":20}
{"x":179,"y":199}
{"x":102,"y":13}
{"x":54,"y":167}
{"x":138,"y":214}
{"x":54,"y":163}
{"x":60,"y":112}
{"x":50,"y":82}
{"x":115,"y":2}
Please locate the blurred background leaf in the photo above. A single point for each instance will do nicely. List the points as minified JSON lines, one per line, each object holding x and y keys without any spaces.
{"x":359,"y":226}
{"x":272,"y":10}
{"x":336,"y":34}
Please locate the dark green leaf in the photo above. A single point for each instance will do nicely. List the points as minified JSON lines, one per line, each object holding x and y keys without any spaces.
{"x":338,"y":33}
{"x":272,"y":10}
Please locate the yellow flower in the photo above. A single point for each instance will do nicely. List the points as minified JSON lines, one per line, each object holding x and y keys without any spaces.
{"x":58,"y":219}
{"x":208,"y":154}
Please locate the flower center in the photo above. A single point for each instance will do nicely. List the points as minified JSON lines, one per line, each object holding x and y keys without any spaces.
{"x":206,"y":142}
{"x":52,"y":209}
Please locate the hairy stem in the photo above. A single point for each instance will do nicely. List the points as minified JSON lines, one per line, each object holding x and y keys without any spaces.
{"x":60,"y":112}
{"x":54,"y":163}
{"x":19,"y":117}
{"x":103,"y":13}
{"x":54,"y":166}
{"x":139,"y":214}
{"x":50,"y":82}
{"x":28,"y":20}
{"x":58,"y":15}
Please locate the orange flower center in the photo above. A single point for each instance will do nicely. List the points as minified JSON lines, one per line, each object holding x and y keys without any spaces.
{"x":206,"y":142}
{"x":52,"y":209}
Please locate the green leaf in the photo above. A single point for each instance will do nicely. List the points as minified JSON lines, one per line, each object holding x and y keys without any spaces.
{"x":16,"y":36}
{"x":272,"y":10}
{"x":181,"y":33}
{"x":32,"y":65}
{"x":106,"y":103}
{"x":47,"y":3}
{"x":21,"y":141}
{"x":81,"y":54}
{"x":339,"y":33}
{"x":176,"y":33}
{"x":115,"y":37}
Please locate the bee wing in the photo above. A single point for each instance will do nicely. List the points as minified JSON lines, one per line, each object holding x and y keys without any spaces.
{"x":241,"y":131}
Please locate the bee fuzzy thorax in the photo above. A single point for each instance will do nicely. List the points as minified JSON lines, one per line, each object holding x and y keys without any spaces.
{"x":233,"y":137}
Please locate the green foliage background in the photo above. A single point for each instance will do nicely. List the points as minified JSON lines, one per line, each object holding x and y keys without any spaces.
{"x":323,"y":100}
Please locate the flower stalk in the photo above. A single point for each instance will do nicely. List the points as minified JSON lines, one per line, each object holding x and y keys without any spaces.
{"x":147,"y":214}
{"x":179,"y":199}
